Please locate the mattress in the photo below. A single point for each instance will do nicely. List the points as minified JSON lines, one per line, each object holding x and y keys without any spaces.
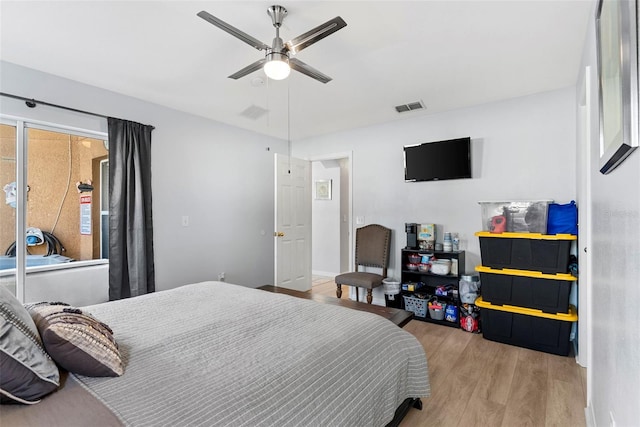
{"x":218,"y":354}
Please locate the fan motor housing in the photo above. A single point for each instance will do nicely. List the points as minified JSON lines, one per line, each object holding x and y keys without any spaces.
{"x":277,"y":56}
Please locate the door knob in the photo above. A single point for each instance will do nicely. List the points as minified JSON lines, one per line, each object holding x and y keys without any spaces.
{"x":278,"y":234}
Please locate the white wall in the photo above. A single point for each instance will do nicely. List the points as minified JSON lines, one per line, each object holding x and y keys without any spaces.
{"x":614,"y":367}
{"x":522,"y":149}
{"x":325,"y":236}
{"x":218,"y":175}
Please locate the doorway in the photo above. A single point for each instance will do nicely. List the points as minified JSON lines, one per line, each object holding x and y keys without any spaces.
{"x":332,"y":245}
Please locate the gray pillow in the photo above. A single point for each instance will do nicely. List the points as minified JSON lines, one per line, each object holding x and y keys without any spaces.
{"x":28,"y":373}
{"x":77,"y":341}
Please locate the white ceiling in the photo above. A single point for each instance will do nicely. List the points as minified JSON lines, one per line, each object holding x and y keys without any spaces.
{"x":448,"y":54}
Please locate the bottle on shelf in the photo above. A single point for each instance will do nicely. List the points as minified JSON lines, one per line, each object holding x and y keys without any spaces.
{"x":447,"y":244}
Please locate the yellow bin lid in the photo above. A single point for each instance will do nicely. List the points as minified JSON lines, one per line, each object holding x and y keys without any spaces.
{"x":533,"y":236}
{"x":526,"y":273}
{"x":572,"y":316}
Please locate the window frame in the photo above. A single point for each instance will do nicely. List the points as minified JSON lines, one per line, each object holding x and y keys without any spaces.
{"x":104,"y":210}
{"x":22,"y":125}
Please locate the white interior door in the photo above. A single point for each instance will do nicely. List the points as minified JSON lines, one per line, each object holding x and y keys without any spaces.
{"x":292,"y":233}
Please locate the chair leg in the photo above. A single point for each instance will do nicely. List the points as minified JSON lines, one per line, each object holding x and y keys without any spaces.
{"x":357,"y":296}
{"x":369,"y":296}
{"x":338,"y":290}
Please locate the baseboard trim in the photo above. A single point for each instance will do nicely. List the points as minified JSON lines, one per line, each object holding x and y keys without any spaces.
{"x":324,"y":273}
{"x":362,"y":293}
{"x":589,"y":416}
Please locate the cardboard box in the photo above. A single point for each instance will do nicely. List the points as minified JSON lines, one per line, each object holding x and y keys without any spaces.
{"x":427,"y":235}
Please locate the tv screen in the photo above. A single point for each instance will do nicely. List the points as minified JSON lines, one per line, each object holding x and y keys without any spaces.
{"x":437,"y":161}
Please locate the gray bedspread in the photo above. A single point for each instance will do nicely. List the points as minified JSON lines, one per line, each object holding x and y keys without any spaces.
{"x":216,"y":354}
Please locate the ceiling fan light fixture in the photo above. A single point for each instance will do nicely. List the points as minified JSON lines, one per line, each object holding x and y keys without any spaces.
{"x":276,"y":63}
{"x":277,"y":66}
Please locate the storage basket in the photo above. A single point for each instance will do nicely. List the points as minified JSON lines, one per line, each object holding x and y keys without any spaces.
{"x":417,"y":305}
{"x":414,"y":258}
{"x":527,"y":216}
{"x":436,"y":314}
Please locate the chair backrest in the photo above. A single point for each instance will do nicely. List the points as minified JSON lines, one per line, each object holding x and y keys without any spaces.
{"x":372,"y":246}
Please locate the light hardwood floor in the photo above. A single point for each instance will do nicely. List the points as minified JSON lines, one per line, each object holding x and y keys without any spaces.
{"x":476,"y":382}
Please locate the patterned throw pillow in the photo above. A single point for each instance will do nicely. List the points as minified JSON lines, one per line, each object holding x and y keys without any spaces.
{"x":26,"y":371}
{"x":77,"y":341}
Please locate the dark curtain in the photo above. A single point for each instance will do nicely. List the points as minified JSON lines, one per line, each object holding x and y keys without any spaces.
{"x":131,"y":268}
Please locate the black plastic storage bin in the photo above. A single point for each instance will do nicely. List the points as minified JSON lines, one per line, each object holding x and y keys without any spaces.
{"x":527,"y":328}
{"x":529,"y":289}
{"x":526,"y":251}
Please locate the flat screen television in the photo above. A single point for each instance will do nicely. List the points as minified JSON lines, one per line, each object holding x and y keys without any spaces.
{"x":437,"y":161}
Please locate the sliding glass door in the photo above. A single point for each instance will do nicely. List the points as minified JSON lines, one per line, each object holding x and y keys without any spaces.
{"x":56,"y":200}
{"x":64,"y":208}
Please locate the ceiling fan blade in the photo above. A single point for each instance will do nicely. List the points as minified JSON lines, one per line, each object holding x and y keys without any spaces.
{"x":303,"y":68}
{"x":295,"y":45}
{"x":248,"y":69}
{"x":233,"y":31}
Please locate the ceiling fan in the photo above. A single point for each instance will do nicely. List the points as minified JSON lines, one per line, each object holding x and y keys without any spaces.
{"x":278,"y":62}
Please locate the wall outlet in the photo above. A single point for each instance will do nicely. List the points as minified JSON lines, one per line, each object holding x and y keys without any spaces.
{"x":221,"y":277}
{"x":359,"y":220}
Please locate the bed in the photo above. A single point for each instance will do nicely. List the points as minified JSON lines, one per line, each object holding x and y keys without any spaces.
{"x":218,"y":354}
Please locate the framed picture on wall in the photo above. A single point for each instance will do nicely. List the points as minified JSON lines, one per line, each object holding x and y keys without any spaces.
{"x":322,"y":189}
{"x":617,"y":54}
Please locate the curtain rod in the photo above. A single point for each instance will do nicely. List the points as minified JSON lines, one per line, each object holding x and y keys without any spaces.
{"x":31,"y":103}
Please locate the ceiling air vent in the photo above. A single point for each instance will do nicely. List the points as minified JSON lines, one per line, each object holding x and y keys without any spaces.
{"x":412,"y":106}
{"x":254,"y":112}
